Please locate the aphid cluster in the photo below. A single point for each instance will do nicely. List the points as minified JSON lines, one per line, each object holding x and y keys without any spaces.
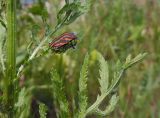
{"x":63,"y":42}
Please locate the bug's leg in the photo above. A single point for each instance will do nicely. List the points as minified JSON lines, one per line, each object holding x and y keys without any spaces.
{"x":73,"y":45}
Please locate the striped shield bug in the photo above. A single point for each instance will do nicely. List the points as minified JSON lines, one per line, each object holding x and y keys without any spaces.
{"x":63,"y":42}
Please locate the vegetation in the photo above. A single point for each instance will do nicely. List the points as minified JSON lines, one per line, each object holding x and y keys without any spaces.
{"x":90,"y":81}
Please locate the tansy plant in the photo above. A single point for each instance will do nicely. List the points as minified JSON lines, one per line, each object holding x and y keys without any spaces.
{"x":15,"y":101}
{"x":69,"y":13}
{"x":108,"y":87}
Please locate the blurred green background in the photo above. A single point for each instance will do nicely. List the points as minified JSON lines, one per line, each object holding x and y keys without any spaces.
{"x":116,"y":28}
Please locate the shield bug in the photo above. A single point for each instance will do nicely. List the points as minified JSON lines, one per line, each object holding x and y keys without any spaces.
{"x":63,"y":42}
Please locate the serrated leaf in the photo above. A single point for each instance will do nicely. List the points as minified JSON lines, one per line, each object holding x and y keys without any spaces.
{"x":86,"y":6}
{"x":104,"y":74}
{"x":72,"y":17}
{"x":83,"y":88}
{"x":66,"y":13}
{"x":120,"y":69}
{"x":134,"y":60}
{"x":128,"y":59}
{"x":42,"y":110}
{"x":117,"y":72}
{"x":112,"y":103}
{"x":59,"y":95}
{"x":22,"y":106}
{"x":71,"y":11}
{"x":21,"y":98}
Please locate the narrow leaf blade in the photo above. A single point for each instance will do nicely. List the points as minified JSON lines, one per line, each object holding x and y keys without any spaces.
{"x":59,"y":96}
{"x":83,"y":88}
{"x":104,"y":74}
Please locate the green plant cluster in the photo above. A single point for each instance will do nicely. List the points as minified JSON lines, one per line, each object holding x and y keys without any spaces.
{"x":35,"y":82}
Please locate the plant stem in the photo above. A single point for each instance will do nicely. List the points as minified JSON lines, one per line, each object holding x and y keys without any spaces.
{"x":58,"y":26}
{"x":11,"y":58}
{"x":37,"y":49}
{"x":102,"y":97}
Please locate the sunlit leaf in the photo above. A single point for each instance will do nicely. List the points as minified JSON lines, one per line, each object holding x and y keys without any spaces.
{"x":104,"y":74}
{"x":83,"y":88}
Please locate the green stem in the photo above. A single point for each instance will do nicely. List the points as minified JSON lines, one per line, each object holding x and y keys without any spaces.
{"x":40,"y":45}
{"x":36,"y":50}
{"x":93,"y":107}
{"x":11,"y":58}
{"x":57,"y":27}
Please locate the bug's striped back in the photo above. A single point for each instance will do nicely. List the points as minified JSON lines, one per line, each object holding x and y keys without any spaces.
{"x":63,"y":39}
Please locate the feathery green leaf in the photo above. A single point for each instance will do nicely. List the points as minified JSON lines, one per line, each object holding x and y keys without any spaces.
{"x":59,"y":95}
{"x":112,"y":104}
{"x":22,"y":105}
{"x":106,"y":90}
{"x":83,"y":88}
{"x":104,"y":74}
{"x":129,"y":62}
{"x":42,"y":110}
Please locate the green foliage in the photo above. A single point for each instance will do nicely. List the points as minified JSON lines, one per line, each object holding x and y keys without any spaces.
{"x":105,"y":87}
{"x":121,"y":68}
{"x":112,"y":104}
{"x":83,"y":88}
{"x":2,"y":35}
{"x":104,"y":74}
{"x":42,"y":110}
{"x":2,"y":13}
{"x":71,"y":11}
{"x":129,"y":62}
{"x":65,"y":16}
{"x":105,"y":91}
{"x":59,"y":96}
{"x":114,"y":28}
{"x":22,"y":106}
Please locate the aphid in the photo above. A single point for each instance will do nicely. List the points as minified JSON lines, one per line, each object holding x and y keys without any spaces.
{"x":63,"y":42}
